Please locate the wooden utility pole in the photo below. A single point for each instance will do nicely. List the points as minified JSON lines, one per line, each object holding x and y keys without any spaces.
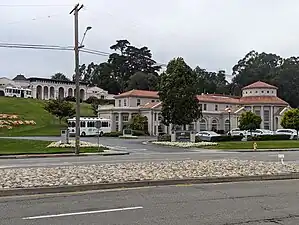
{"x":76,"y":10}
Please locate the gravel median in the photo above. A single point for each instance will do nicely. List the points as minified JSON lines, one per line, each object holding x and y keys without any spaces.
{"x":121,"y":172}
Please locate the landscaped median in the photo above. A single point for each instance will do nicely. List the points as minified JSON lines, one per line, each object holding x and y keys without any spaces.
{"x":23,"y":147}
{"x":80,"y":178}
{"x":236,"y":145}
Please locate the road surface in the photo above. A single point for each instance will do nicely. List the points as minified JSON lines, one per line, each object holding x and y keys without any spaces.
{"x":142,"y":152}
{"x":248,"y":203}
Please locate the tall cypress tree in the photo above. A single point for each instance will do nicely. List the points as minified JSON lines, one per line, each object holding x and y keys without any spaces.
{"x":177,"y":92}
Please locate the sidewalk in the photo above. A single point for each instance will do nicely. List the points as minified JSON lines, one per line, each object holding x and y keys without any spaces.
{"x":24,"y":156}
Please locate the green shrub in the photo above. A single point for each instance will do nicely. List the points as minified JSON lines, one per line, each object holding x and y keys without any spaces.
{"x":226,"y":138}
{"x":112,"y":134}
{"x":164,"y":137}
{"x":275,"y":137}
{"x":138,"y":133}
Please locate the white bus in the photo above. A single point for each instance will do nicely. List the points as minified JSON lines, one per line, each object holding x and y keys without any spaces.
{"x":88,"y":126}
{"x":17,"y":92}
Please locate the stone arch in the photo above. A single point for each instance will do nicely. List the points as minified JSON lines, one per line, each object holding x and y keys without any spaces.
{"x":46,"y":92}
{"x":215,"y":124}
{"x":2,"y":93}
{"x":52,"y":93}
{"x":203,"y":124}
{"x":39,"y":91}
{"x":82,"y":94}
{"x":61,"y":93}
{"x":226,"y":125}
{"x":70,"y":92}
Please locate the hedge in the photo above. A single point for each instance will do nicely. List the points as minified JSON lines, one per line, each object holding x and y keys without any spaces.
{"x":164,"y":137}
{"x":118,"y":133}
{"x":275,"y":137}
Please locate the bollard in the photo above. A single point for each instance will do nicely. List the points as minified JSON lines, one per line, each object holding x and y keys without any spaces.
{"x":281,"y":157}
{"x":254,"y":146}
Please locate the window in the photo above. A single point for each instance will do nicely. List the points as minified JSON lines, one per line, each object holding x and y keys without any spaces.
{"x":125,"y":118}
{"x":216,"y":107}
{"x":105,"y":124}
{"x":102,"y":96}
{"x":159,"y":117}
{"x":191,"y":126}
{"x":153,"y":100}
{"x":214,"y":125}
{"x":268,"y":91}
{"x":262,"y":91}
{"x":250,"y":92}
{"x":138,"y":102}
{"x":203,"y":125}
{"x":155,"y":116}
{"x":116,"y":117}
{"x":82,"y":124}
{"x":272,"y":92}
{"x":255,"y":91}
{"x":160,"y":129}
{"x":90,"y":124}
{"x":125,"y":102}
{"x":119,"y":103}
{"x":204,"y":106}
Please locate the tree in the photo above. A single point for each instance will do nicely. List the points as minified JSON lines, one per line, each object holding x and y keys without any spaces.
{"x":177,"y":93}
{"x":143,"y":81}
{"x":95,"y":106}
{"x":60,"y":108}
{"x":60,"y":76}
{"x":249,"y":121}
{"x":290,"y":120}
{"x":139,"y":122}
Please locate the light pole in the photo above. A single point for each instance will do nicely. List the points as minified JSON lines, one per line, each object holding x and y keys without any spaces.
{"x":76,"y":10}
{"x":87,"y":29}
{"x":229,"y":111}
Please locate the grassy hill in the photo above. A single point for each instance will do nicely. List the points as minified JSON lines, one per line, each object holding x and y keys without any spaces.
{"x":35,"y":121}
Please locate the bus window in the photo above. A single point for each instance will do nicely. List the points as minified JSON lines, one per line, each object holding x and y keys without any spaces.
{"x":82,"y":124}
{"x":105,"y":124}
{"x":71,"y":124}
{"x":90,"y":124}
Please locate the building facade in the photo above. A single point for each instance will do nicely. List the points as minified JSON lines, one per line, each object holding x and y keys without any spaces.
{"x":45,"y":89}
{"x":220,"y":112}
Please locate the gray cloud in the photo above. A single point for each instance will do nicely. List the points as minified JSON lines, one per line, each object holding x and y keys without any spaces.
{"x":213,"y":34}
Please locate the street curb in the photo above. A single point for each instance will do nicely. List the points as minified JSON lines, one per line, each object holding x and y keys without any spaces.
{"x":259,"y":151}
{"x":60,"y":155}
{"x":134,"y":184}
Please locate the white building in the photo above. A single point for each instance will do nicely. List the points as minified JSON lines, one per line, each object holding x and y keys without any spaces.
{"x":259,"y":97}
{"x":99,"y":93}
{"x":43,"y":88}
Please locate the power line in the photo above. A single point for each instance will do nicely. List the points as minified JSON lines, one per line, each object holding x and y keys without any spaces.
{"x":6,"y":5}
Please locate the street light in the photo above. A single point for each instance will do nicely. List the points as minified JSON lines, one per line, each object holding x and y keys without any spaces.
{"x":87,"y":29}
{"x":229,"y":111}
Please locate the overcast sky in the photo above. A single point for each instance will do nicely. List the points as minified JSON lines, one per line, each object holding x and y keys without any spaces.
{"x":213,"y":34}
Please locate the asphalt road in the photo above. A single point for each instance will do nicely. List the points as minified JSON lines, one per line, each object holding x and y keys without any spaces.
{"x":140,"y":152}
{"x":250,"y":203}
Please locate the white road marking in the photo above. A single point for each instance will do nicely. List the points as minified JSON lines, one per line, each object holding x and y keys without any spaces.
{"x":82,"y":213}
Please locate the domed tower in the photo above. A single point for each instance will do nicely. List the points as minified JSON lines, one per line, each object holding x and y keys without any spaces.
{"x":259,"y":88}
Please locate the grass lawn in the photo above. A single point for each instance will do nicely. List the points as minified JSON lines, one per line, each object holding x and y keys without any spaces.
{"x":13,"y":146}
{"x":32,"y":109}
{"x":260,"y":145}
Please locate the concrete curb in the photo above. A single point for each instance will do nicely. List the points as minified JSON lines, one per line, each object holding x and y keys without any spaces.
{"x":134,"y":184}
{"x":261,"y":150}
{"x":116,"y":153}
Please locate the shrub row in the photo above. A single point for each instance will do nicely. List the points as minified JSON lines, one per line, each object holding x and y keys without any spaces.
{"x":118,"y":133}
{"x":275,"y":137}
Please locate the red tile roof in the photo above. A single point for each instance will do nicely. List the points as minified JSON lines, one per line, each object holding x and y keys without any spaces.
{"x":138,"y":93}
{"x":259,"y":84}
{"x":151,"y":105}
{"x":262,"y":99}
{"x":216,"y":98}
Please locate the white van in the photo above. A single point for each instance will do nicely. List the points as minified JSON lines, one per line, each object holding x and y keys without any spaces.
{"x":88,"y":126}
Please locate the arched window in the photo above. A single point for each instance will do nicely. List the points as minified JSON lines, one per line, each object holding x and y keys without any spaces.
{"x":202,"y":124}
{"x":214,"y":125}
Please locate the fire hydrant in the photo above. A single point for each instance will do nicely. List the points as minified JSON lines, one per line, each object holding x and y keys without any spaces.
{"x":254,"y":146}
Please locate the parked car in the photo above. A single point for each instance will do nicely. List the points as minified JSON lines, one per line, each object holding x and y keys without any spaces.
{"x":206,"y":135}
{"x":260,"y":132}
{"x":291,"y":132}
{"x":237,"y":132}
